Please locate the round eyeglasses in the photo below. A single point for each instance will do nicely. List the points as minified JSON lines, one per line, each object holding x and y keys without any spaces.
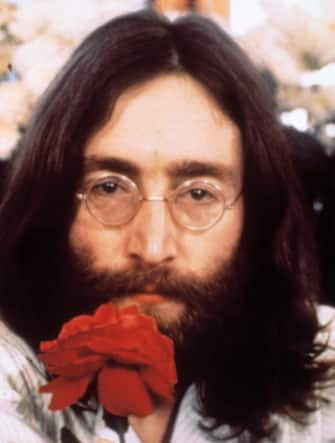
{"x":196,"y":204}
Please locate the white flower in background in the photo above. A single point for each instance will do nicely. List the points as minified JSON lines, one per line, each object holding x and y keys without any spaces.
{"x":15,"y":103}
{"x":69,"y":20}
{"x":322,"y":77}
{"x":45,"y":33}
{"x":318,"y":101}
{"x":49,"y":31}
{"x":328,"y":9}
{"x":38,"y":61}
{"x":7,"y":12}
{"x":9,"y":137}
{"x":298,"y":118}
{"x":30,"y":20}
{"x":262,"y":46}
{"x":5,"y":57}
{"x":308,"y":39}
{"x":290,"y":42}
{"x":7,"y":15}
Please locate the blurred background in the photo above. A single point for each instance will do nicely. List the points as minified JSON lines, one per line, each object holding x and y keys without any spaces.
{"x":292,"y":42}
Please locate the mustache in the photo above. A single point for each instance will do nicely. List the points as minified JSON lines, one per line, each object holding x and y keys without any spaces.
{"x":163,"y":281}
{"x":96,"y":287}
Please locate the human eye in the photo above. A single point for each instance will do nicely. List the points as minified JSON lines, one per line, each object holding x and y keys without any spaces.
{"x":110,"y":187}
{"x":199,"y":194}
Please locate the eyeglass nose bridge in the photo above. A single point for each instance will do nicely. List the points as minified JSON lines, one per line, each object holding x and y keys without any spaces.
{"x":159,"y":198}
{"x":155,"y":198}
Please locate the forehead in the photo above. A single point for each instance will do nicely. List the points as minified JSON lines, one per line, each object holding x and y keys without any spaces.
{"x":168,"y":119}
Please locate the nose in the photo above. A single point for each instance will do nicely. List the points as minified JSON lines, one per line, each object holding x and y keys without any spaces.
{"x":151,"y":237}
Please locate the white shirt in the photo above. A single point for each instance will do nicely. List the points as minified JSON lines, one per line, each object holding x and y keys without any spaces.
{"x":25,"y":418}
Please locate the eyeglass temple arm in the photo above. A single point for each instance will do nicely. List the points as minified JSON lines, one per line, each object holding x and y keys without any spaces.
{"x":230,"y":206}
{"x":80,"y":195}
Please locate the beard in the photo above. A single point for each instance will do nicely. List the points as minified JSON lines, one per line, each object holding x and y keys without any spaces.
{"x":210,"y":307}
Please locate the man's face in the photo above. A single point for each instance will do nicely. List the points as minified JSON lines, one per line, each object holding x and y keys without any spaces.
{"x":168,"y":130}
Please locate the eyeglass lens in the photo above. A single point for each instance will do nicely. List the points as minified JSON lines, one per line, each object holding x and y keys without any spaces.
{"x":115,"y":201}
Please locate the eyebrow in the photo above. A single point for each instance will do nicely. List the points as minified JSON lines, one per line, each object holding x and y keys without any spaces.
{"x":126,"y":167}
{"x":186,"y":169}
{"x":177,"y":170}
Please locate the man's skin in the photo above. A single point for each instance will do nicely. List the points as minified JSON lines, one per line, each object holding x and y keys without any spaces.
{"x":156,"y":126}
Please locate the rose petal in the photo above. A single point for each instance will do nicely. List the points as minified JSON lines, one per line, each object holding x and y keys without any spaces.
{"x":134,"y":340}
{"x":76,"y":341}
{"x":77,"y":324}
{"x":48,"y":345}
{"x":74,"y":368}
{"x":59,"y":357}
{"x":122,"y":392}
{"x":132,"y":356}
{"x":105,"y":313}
{"x":146,"y":343}
{"x":66,"y":391}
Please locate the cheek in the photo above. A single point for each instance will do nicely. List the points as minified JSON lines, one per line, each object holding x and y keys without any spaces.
{"x":89,"y":237}
{"x":218,"y":246}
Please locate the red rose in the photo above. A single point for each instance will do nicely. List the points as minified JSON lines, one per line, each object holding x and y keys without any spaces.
{"x":123,"y":349}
